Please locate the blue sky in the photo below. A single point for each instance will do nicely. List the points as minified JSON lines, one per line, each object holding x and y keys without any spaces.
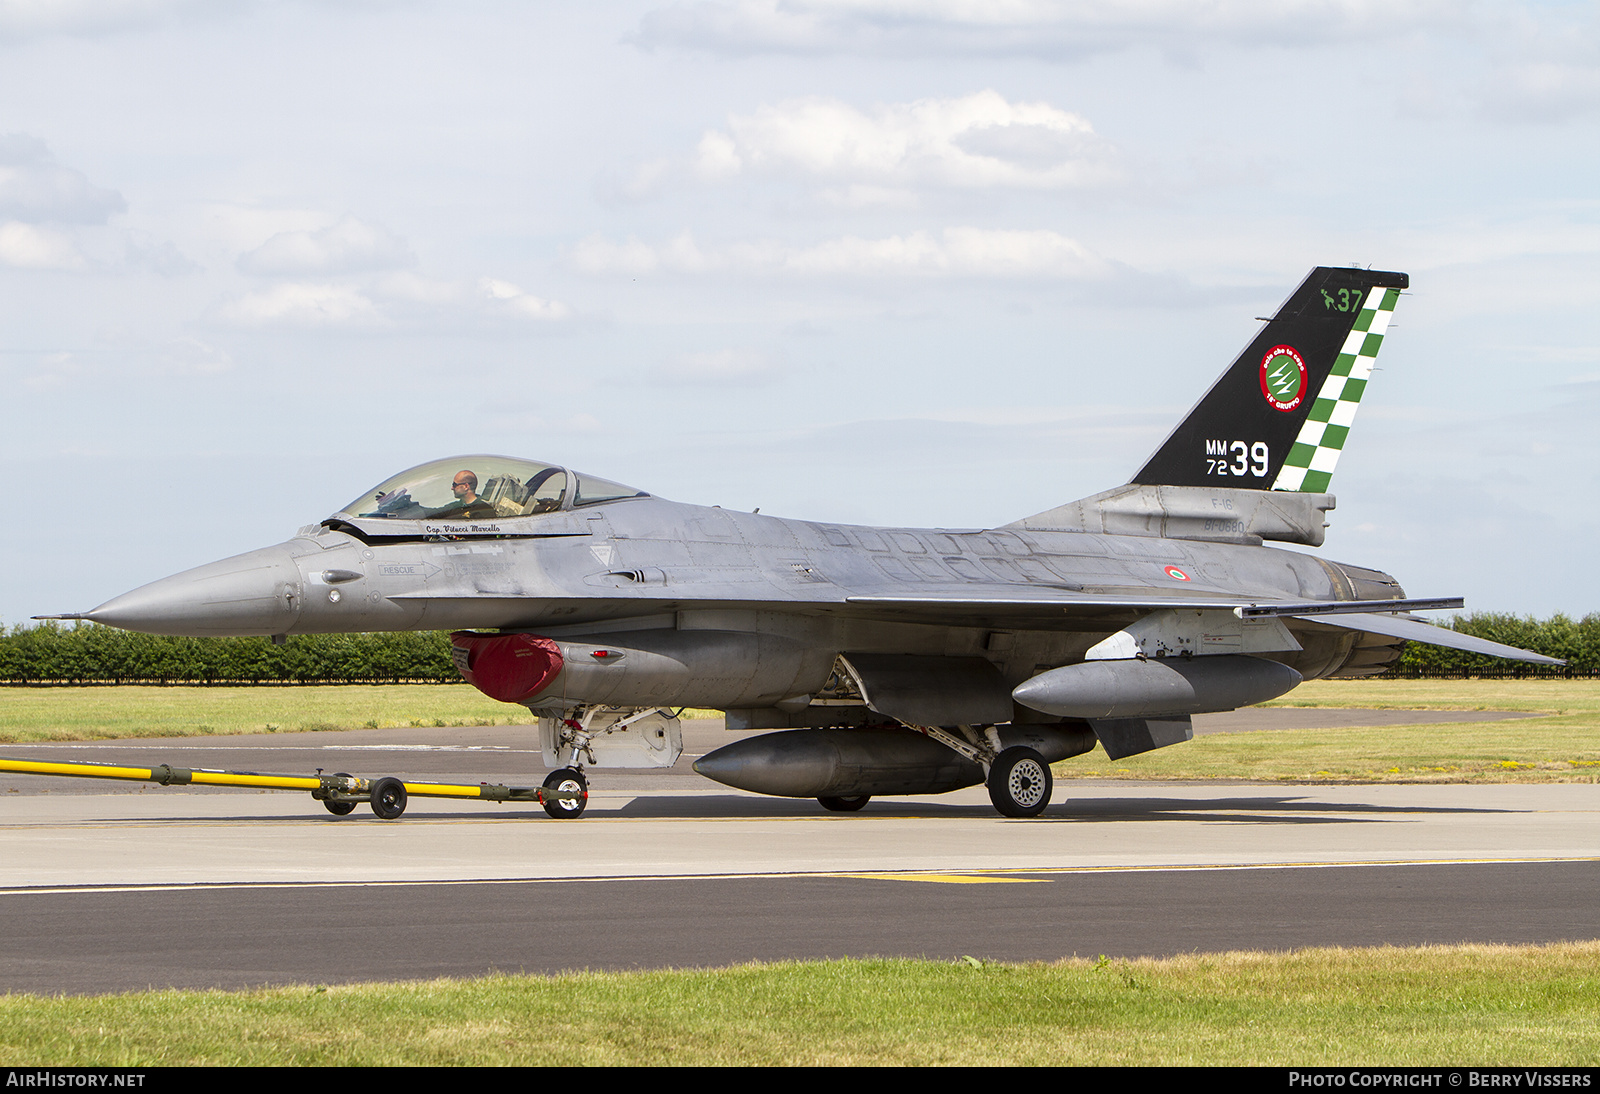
{"x":934,"y":264}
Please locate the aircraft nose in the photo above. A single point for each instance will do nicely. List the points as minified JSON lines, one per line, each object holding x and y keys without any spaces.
{"x":258,"y":592}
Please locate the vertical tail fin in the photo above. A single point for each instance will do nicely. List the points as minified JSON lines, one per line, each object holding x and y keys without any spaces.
{"x":1278,"y":417}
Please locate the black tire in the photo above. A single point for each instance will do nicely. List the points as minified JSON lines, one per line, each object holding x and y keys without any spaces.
{"x":388,"y":798}
{"x":850,"y":804}
{"x":567,"y":778}
{"x":1020,"y":783}
{"x":340,"y":809}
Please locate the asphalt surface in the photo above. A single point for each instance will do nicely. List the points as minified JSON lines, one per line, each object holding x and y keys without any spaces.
{"x":94,"y":942}
{"x":510,"y":754}
{"x":149,"y":886}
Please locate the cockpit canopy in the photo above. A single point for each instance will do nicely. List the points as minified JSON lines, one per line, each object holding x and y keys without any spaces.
{"x":483,"y":488}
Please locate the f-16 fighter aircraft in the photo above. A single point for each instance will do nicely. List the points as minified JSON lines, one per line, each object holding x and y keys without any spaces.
{"x":885,"y":660}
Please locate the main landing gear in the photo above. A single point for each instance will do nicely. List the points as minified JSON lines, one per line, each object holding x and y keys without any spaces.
{"x":849,"y":804}
{"x":1019,"y":782}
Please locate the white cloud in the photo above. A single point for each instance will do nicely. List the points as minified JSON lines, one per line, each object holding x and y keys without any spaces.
{"x":953,"y":252}
{"x":36,"y":189}
{"x":346,"y":246}
{"x":977,"y":140}
{"x":189,"y":357}
{"x":508,"y":298}
{"x":1055,"y":29}
{"x":295,"y":304}
{"x":1543,"y":91}
{"x":724,"y":368}
{"x":1547,"y":65}
{"x":29,"y":247}
{"x":20,"y":19}
{"x":56,"y":370}
{"x":380,"y":302}
{"x":597,"y":255}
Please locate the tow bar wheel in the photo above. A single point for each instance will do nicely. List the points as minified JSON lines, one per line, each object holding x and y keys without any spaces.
{"x":339,"y":809}
{"x":1020,"y":783}
{"x":567,"y":779}
{"x":388,"y":798}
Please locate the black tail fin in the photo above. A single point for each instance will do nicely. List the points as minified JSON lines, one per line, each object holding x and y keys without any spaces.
{"x":1278,"y":418}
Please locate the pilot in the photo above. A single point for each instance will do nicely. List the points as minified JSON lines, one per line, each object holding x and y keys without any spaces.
{"x":467,"y":502}
{"x":465,"y":488}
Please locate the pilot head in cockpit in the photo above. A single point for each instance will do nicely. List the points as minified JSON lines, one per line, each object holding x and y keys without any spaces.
{"x":465,"y":488}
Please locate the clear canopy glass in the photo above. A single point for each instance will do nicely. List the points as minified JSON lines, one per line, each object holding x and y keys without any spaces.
{"x":465,"y":487}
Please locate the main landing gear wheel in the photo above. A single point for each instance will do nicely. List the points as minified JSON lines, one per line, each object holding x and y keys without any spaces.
{"x":388,"y":798}
{"x":340,"y":809}
{"x":1019,"y":783}
{"x":567,"y":778}
{"x":850,"y":804}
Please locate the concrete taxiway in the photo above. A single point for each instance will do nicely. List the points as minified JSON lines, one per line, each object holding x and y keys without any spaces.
{"x":177,"y":886}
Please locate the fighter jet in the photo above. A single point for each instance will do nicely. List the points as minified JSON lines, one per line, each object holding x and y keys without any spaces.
{"x":885,"y":660}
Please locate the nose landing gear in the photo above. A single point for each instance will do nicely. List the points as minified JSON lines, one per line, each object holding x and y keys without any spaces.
{"x":569,"y":781}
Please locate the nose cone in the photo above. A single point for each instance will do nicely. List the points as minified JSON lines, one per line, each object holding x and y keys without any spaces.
{"x":254,"y":593}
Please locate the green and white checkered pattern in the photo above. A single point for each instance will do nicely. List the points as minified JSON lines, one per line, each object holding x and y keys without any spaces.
{"x":1309,"y":466}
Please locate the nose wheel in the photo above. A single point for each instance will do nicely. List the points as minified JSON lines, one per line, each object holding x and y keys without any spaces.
{"x":567,"y":780}
{"x":1020,"y":783}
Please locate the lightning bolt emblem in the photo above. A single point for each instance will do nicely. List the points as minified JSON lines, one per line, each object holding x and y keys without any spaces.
{"x":1283,"y":378}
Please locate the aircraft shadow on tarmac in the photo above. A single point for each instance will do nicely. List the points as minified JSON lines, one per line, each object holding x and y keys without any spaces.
{"x":1271,"y":809}
{"x":1259,"y":809}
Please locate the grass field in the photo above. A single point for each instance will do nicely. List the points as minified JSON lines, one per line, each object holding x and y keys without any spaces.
{"x":1561,"y":744}
{"x":1458,"y":1005}
{"x":96,"y":713}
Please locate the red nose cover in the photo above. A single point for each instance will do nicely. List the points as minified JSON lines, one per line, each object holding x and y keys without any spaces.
{"x":507,"y":667}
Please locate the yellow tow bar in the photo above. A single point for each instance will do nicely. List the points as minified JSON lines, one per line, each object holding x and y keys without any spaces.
{"x":565,"y":794}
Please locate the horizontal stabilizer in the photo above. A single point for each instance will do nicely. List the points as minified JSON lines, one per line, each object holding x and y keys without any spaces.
{"x":1417,"y":630}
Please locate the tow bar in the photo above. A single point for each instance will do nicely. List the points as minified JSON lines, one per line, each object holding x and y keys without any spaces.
{"x":564,"y":794}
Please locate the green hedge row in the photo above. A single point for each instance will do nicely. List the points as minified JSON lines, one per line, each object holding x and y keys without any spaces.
{"x":90,"y":654}
{"x":85,"y":653}
{"x":1578,"y":643}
